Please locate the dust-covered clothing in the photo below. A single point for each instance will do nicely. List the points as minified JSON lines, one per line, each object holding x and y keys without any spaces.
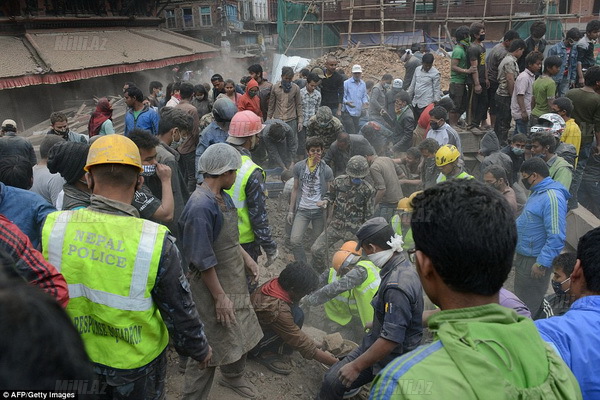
{"x":328,"y":131}
{"x":285,"y":106}
{"x":429,"y":173}
{"x":337,"y":158}
{"x":276,"y":315}
{"x":352,"y":204}
{"x":385,"y":177}
{"x":508,"y":66}
{"x":352,"y":279}
{"x":310,"y":104}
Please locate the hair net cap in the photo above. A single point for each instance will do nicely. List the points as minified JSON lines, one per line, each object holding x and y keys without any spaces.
{"x":218,"y":159}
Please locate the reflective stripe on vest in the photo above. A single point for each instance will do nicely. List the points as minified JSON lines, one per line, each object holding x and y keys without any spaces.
{"x":111,"y":273}
{"x":238,"y":195}
{"x":365,"y":292}
{"x":463,"y":175}
{"x":407,"y":238}
{"x":357,"y":301}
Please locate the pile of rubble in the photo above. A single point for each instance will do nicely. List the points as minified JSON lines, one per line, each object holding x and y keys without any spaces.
{"x":377,"y":62}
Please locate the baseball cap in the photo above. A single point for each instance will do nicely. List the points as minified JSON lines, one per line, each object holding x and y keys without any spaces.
{"x":356,"y":68}
{"x":9,"y":123}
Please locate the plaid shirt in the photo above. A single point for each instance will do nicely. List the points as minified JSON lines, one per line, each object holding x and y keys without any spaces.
{"x":310,"y":104}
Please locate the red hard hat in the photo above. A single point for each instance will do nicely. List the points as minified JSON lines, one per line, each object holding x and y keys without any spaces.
{"x":245,"y":123}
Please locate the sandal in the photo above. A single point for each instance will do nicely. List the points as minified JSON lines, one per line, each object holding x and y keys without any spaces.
{"x":239,"y":385}
{"x":274,"y":363}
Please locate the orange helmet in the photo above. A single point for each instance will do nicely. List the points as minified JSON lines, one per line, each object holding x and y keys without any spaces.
{"x":342,"y":259}
{"x":244,"y":124}
{"x":350,"y":246}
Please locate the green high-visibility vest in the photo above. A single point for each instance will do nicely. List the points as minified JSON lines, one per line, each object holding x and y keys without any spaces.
{"x":407,"y":238}
{"x":463,"y":175}
{"x":357,"y":301}
{"x":110,"y":263}
{"x":238,"y":195}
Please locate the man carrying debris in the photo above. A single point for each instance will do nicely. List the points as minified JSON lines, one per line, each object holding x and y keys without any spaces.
{"x":350,"y":203}
{"x":125,"y":279}
{"x":281,"y":319}
{"x":398,"y":309}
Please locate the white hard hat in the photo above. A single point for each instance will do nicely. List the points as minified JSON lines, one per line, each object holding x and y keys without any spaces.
{"x":356,"y":68}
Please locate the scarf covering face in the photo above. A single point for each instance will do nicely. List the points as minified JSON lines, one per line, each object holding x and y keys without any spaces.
{"x":287,"y":86}
{"x":99,"y":116}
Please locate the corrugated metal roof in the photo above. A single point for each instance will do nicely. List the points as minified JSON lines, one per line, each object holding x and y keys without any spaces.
{"x":42,"y":56}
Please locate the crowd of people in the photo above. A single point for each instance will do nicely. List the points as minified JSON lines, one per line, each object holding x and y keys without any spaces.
{"x":160,"y":228}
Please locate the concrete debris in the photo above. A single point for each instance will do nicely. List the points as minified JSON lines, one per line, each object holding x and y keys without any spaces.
{"x":377,"y":62}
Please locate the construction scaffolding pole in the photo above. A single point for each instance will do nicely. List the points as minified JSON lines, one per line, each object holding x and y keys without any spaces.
{"x":381,"y":23}
{"x":299,"y":26}
{"x":322,"y":23}
{"x":351,"y":17}
{"x":512,"y":3}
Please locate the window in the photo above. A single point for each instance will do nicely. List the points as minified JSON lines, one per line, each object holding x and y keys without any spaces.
{"x":398,"y":3}
{"x":170,"y":19}
{"x":188,"y":18}
{"x":425,"y":6}
{"x":205,"y":16}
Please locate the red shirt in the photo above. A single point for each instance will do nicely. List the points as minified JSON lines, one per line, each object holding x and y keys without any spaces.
{"x":30,"y":264}
{"x":424,"y":118}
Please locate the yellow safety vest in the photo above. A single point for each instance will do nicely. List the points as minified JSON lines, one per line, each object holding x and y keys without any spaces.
{"x":355,"y":302}
{"x":110,"y":263}
{"x":463,"y":175}
{"x":238,"y":195}
{"x":407,"y":238}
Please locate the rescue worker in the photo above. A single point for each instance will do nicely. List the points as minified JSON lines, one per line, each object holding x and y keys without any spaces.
{"x":447,"y":159}
{"x":398,"y":310}
{"x":350,"y":202}
{"x":210,"y":241}
{"x":351,"y":284}
{"x":248,"y":192}
{"x":401,"y":221}
{"x":126,"y":285}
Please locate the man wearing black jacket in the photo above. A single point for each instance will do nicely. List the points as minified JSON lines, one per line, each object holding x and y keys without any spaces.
{"x":332,"y":87}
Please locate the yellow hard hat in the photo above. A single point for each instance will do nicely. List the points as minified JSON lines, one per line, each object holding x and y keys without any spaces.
{"x":405,"y":204}
{"x":446,"y":154}
{"x":114,"y":149}
{"x":343,"y":258}
{"x":350,"y":246}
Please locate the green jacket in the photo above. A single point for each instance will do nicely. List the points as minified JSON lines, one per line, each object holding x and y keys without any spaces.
{"x":561,"y":171}
{"x":485,"y":352}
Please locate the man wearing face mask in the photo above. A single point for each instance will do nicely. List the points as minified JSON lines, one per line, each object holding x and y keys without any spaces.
{"x":377,"y":103}
{"x":541,"y":231}
{"x":574,"y":335}
{"x":558,"y":303}
{"x":285,"y":102}
{"x":543,"y":145}
{"x":460,"y":70}
{"x":350,"y":203}
{"x":60,"y":127}
{"x":126,"y":274}
{"x":495,"y":176}
{"x":398,"y":307}
{"x":516,"y":151}
{"x":163,"y":181}
{"x":248,"y":192}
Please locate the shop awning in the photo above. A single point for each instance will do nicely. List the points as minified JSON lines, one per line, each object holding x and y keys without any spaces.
{"x":52,"y":56}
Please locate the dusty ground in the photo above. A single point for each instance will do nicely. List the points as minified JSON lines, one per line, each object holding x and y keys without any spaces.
{"x":304,"y":382}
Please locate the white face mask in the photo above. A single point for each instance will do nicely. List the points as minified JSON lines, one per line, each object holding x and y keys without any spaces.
{"x":379,"y":259}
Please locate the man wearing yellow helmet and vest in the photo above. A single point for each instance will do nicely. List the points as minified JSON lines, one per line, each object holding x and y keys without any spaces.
{"x":351,"y":285}
{"x":447,"y":159}
{"x":401,"y":220}
{"x":125,"y":278}
{"x":248,"y":192}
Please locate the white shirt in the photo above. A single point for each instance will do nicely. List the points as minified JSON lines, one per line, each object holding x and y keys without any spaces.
{"x":425,"y":87}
